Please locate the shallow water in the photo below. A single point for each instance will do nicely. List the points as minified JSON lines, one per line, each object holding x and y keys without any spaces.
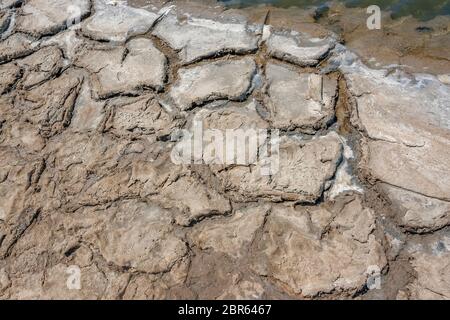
{"x":421,"y":9}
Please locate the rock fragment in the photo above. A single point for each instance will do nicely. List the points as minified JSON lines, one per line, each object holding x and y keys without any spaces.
{"x":47,"y":17}
{"x":144,"y":116}
{"x":176,"y":188}
{"x":317,"y":251}
{"x":118,"y":23}
{"x":298,"y":49}
{"x":41,"y":66}
{"x":16,"y":46}
{"x":219,"y":124}
{"x":193,"y":199}
{"x":229,"y":79}
{"x":303,"y":101}
{"x":303,"y":168}
{"x":233,"y":235}
{"x":419,"y":213}
{"x":197,"y":38}
{"x":140,"y":236}
{"x":407,"y":118}
{"x":432,"y":181}
{"x":444,"y":78}
{"x":125,"y":70}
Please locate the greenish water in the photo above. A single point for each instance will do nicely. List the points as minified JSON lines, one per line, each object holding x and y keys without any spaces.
{"x":421,"y":9}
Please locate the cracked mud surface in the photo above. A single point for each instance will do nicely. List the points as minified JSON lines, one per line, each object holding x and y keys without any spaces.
{"x":88,"y":120}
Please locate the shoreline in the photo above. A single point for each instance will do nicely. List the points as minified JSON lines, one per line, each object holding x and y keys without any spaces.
{"x":417,"y":46}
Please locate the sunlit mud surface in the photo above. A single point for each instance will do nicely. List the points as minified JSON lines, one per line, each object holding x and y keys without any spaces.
{"x":99,"y":98}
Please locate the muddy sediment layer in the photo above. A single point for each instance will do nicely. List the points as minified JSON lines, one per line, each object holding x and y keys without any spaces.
{"x":95,"y":98}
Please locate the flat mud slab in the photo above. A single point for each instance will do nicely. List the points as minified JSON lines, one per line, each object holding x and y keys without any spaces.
{"x":342,"y":190}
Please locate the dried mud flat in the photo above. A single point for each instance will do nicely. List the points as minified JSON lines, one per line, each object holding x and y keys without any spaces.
{"x":88,"y":113}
